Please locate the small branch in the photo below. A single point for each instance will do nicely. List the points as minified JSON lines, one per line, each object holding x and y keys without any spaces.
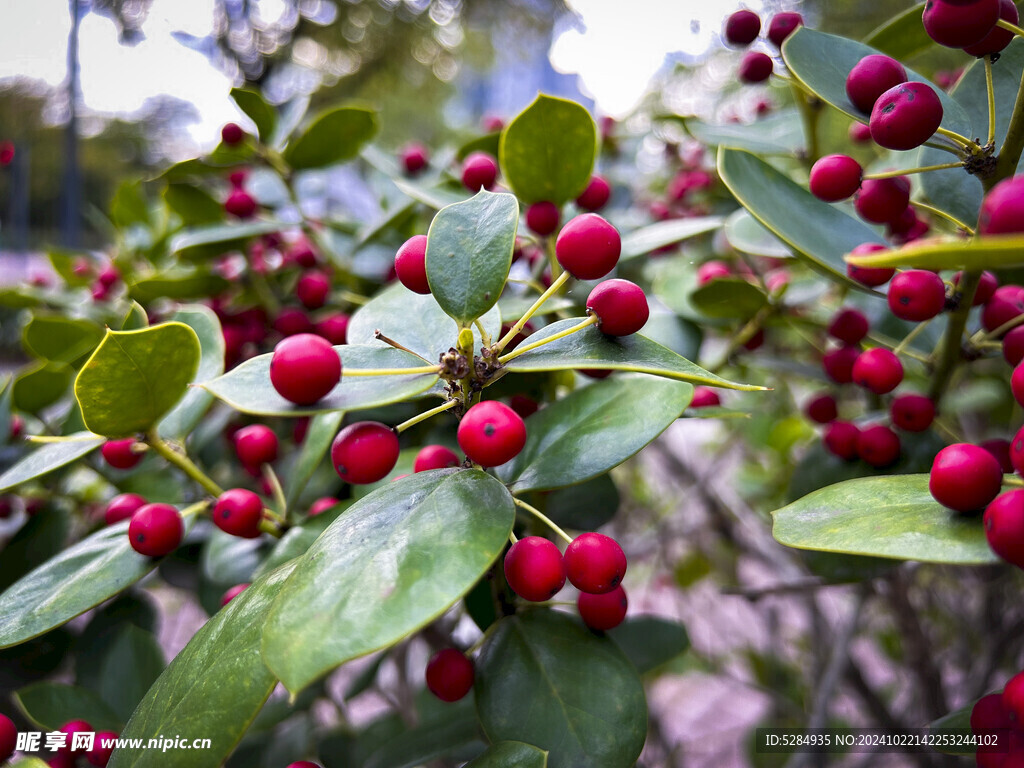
{"x":991,"y":102}
{"x":425,"y":415}
{"x":392,"y":343}
{"x":1009,"y":153}
{"x":952,"y":343}
{"x":1010,"y":27}
{"x":356,"y":372}
{"x":922,"y":169}
{"x":592,"y":320}
{"x":918,"y":329}
{"x":544,"y":519}
{"x":182,"y":462}
{"x":943,"y":215}
{"x":518,"y":326}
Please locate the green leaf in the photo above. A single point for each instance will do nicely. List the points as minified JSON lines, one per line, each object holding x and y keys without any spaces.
{"x":50,"y":705}
{"x":819,"y":233}
{"x":187,"y":414}
{"x":178,"y":284}
{"x":39,"y":539}
{"x":40,"y":386}
{"x":649,"y":641}
{"x":322,"y":429}
{"x":290,"y":116}
{"x":894,"y":517}
{"x":647,"y":239}
{"x":469,"y":253}
{"x":49,"y":457}
{"x":135,"y":377}
{"x":429,"y":740}
{"x":333,"y":136}
{"x":193,"y":204}
{"x":987,"y":252}
{"x":583,"y":507}
{"x":488,"y":142}
{"x":594,"y":429}
{"x":731,"y":297}
{"x":902,"y":36}
{"x":299,"y":538}
{"x":511,"y":754}
{"x":59,"y":338}
{"x":213,"y":689}
{"x":228,"y":560}
{"x":436,"y":197}
{"x":547,"y":151}
{"x":79,"y":578}
{"x":135,"y":318}
{"x":258,"y":110}
{"x":779,"y":134}
{"x":822,"y":62}
{"x":129,"y":205}
{"x":589,"y":349}
{"x":368,"y":581}
{"x":247,"y":388}
{"x":536,"y":682}
{"x":201,"y":243}
{"x":131,"y":663}
{"x":746,"y":234}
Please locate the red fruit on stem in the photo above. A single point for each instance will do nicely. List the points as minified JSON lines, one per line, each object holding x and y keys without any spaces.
{"x":232,"y":593}
{"x":240,"y":204}
{"x":822,"y":408}
{"x":838,"y":364}
{"x":988,"y":714}
{"x":1004,"y":526}
{"x":594,"y":563}
{"x":122,"y":507}
{"x":905,"y":116}
{"x":292,"y":321}
{"x":119,"y":453}
{"x":712,"y":270}
{"x":835,"y":177}
{"x":534,"y":568}
{"x":998,"y":38}
{"x":860,"y":133}
{"x":588,"y":247}
{"x":986,"y":287}
{"x":72,"y":728}
{"x":1013,"y":693}
{"x":877,"y":369}
{"x":840,"y":439}
{"x":414,"y":158}
{"x":878,"y":446}
{"x":965,"y":477}
{"x":742,"y":28}
{"x":239,"y":511}
{"x":1017,"y":383}
{"x":155,"y":530}
{"x":869,"y":276}
{"x":449,"y":674}
{"x":605,"y":611}
{"x":596,"y":195}
{"x":848,"y":325}
{"x":479,"y":170}
{"x":1006,"y":304}
{"x":334,"y":328}
{"x":957,"y":24}
{"x":232,"y":134}
{"x":871,"y":77}
{"x":313,"y":289}
{"x":1002,"y":210}
{"x":103,"y":748}
{"x":542,"y":218}
{"x":917,"y":295}
{"x":1000,"y":450}
{"x":8,"y":737}
{"x":364,"y":452}
{"x":621,"y":307}
{"x":912,"y":413}
{"x":435,"y":457}
{"x":755,"y":67}
{"x":491,"y":433}
{"x":704,"y":397}
{"x":304,"y":368}
{"x":782,"y":26}
{"x":321,"y":505}
{"x":882,"y":201}
{"x":256,"y":445}
{"x":411,"y":264}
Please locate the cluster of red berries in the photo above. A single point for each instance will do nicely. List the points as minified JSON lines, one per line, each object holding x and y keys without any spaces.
{"x":743,"y":27}
{"x":239,"y":203}
{"x":1001,"y":715}
{"x":105,"y":277}
{"x":970,"y":24}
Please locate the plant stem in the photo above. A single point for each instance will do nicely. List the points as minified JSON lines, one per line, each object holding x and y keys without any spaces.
{"x":810,"y":111}
{"x":901,"y":347}
{"x":943,"y":215}
{"x":1010,"y":27}
{"x":544,"y":519}
{"x":1009,"y":325}
{"x":1009,"y":153}
{"x":745,"y":334}
{"x":952,"y":342}
{"x":1016,"y":482}
{"x":990,"y":87}
{"x":195,"y":509}
{"x":353,"y":298}
{"x":425,"y":415}
{"x":349,"y":372}
{"x":922,"y":169}
{"x":953,"y":150}
{"x":182,"y":462}
{"x":275,"y":486}
{"x":485,"y":337}
{"x":512,"y":537}
{"x":963,"y":141}
{"x":592,"y":320}
{"x":515,"y":329}
{"x":392,"y":343}
{"x":556,"y":268}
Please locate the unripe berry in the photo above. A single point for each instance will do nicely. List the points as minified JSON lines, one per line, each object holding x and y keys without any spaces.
{"x":905,"y":116}
{"x":878,"y":446}
{"x":479,"y":169}
{"x":621,"y":307}
{"x":712,"y":270}
{"x":119,"y":453}
{"x":542,"y":218}
{"x":882,"y":201}
{"x":871,"y":77}
{"x":704,"y":397}
{"x":8,"y":737}
{"x":1006,"y":304}
{"x":588,"y":247}
{"x":838,"y":364}
{"x":869,"y":276}
{"x":603,"y":612}
{"x":912,"y":413}
{"x":435,"y":457}
{"x":449,"y":674}
{"x":155,"y":530}
{"x":1013,"y":698}
{"x":594,"y":563}
{"x":256,"y":445}
{"x":122,"y":507}
{"x":965,"y":477}
{"x":232,"y":593}
{"x":822,"y":408}
{"x":917,"y":295}
{"x":755,"y":67}
{"x":742,"y":28}
{"x":782,"y":26}
{"x":334,"y":328}
{"x":957,"y":24}
{"x":998,"y":38}
{"x":534,"y":569}
{"x":491,"y":433}
{"x":596,"y":195}
{"x":232,"y":134}
{"x":848,"y":325}
{"x":321,"y":505}
{"x":835,"y":177}
{"x":414,"y":158}
{"x":240,"y":204}
{"x":239,"y":512}
{"x":99,"y":755}
{"x":878,"y":369}
{"x":313,"y":288}
{"x":364,"y":452}
{"x":304,"y":368}
{"x":840,"y":439}
{"x":411,"y":264}
{"x":1002,"y":210}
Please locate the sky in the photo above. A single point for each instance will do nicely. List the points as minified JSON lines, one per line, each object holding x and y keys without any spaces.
{"x":614,"y":60}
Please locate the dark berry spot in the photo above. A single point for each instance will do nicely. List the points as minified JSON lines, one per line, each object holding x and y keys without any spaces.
{"x":489,"y":430}
{"x":905,"y":300}
{"x":890,"y":107}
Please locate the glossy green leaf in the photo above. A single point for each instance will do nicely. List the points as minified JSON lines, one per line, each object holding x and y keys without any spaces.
{"x":184,"y":417}
{"x":647,"y":239}
{"x":135,"y":377}
{"x":429,"y":740}
{"x":59,"y":338}
{"x":819,"y":233}
{"x":547,"y":151}
{"x":258,"y":110}
{"x":193,"y":204}
{"x":746,"y":234}
{"x":247,"y":388}
{"x":536,"y":683}
{"x":368,"y":581}
{"x":894,"y":517}
{"x":469,"y":253}
{"x":417,"y":322}
{"x":333,"y":137}
{"x":489,"y":143}
{"x":594,"y":429}
{"x":228,"y":560}
{"x":39,"y":539}
{"x":48,"y":457}
{"x":299,"y":538}
{"x":589,"y":349}
{"x":179,"y":284}
{"x":822,"y":62}
{"x":988,"y":252}
{"x":131,"y":663}
{"x":50,"y":705}
{"x":202,"y":243}
{"x":436,"y":197}
{"x":511,"y":754}
{"x":779,"y":134}
{"x":319,"y":436}
{"x":650,"y":641}
{"x":213,"y":689}
{"x":731,"y":297}
{"x":902,"y":36}
{"x":40,"y":386}
{"x":135,"y":318}
{"x":128,"y":205}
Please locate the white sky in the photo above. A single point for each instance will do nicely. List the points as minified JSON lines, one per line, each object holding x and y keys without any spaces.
{"x":614,"y":59}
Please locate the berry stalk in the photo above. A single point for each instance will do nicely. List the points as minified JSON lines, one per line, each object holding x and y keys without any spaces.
{"x":182,"y":462}
{"x":592,"y":320}
{"x":425,"y":415}
{"x":544,"y":519}
{"x":556,"y":284}
{"x":952,"y":343}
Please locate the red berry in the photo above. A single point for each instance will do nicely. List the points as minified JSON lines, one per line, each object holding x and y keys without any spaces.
{"x":232,"y":593}
{"x":742,"y":28}
{"x":523,"y":405}
{"x":988,"y":714}
{"x":712,"y":270}
{"x":871,"y":77}
{"x":603,"y":612}
{"x":1002,"y":210}
{"x":841,"y":439}
{"x":956,"y":23}
{"x":100,"y":754}
{"x":1006,"y":304}
{"x":621,"y":307}
{"x":860,"y":133}
{"x":334,"y":328}
{"x":71,"y":728}
{"x":364,"y":452}
{"x":122,"y":507}
{"x":912,"y":413}
{"x":435,"y":457}
{"x":108,"y":276}
{"x":594,"y":563}
{"x":1000,"y":450}
{"x":965,"y":477}
{"x":414,"y":158}
{"x":1004,"y":527}
{"x":835,"y":177}
{"x":240,"y":203}
{"x":411,"y":264}
{"x":986,"y":287}
{"x":302,"y":253}
{"x":755,"y":67}
{"x":491,"y":433}
{"x":1013,"y":346}
{"x":1017,"y":452}
{"x":232,"y":134}
{"x":479,"y":169}
{"x":1013,"y":693}
{"x":704,"y":397}
{"x":998,"y":38}
{"x":878,"y":369}
{"x":256,"y":445}
{"x":313,"y":288}
{"x":782,"y":26}
{"x":1017,"y":383}
{"x":917,"y":295}
{"x":304,"y":764}
{"x":8,"y":737}
{"x":588,"y":247}
{"x":304,"y":368}
{"x":878,"y":446}
{"x":822,"y":408}
{"x":534,"y":569}
{"x":838,"y":364}
{"x":905,"y":116}
{"x":17,"y":426}
{"x":850,"y":326}
{"x":882,"y":201}
{"x":292,"y":321}
{"x":239,"y":512}
{"x":6,"y":153}
{"x":155,"y":530}
{"x":449,"y":674}
{"x":492,"y":123}
{"x":542,"y":218}
{"x":321,"y":505}
{"x":596,"y":195}
{"x":869,"y":276}
{"x":119,"y":453}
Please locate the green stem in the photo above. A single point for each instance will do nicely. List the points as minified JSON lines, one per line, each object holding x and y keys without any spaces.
{"x":922,"y":169}
{"x":990,"y":87}
{"x":350,"y":372}
{"x":1009,"y":153}
{"x":279,"y":499}
{"x":745,"y":334}
{"x":425,"y":415}
{"x":1010,"y":27}
{"x":981,"y":337}
{"x":353,"y":298}
{"x":943,"y":215}
{"x":515,"y":329}
{"x":556,"y":268}
{"x":1016,"y":482}
{"x":485,"y":337}
{"x":195,"y":509}
{"x":956,"y":138}
{"x":953,"y":150}
{"x":592,"y":320}
{"x":182,"y":462}
{"x":951,"y":350}
{"x":901,"y":347}
{"x":544,"y":519}
{"x":809,"y":115}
